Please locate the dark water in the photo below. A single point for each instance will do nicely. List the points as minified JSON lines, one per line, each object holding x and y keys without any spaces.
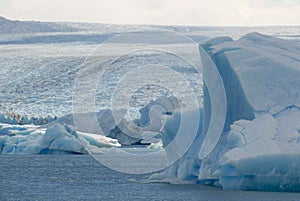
{"x":76,"y":177}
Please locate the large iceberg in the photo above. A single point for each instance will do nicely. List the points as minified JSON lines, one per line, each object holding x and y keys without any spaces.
{"x":259,"y":145}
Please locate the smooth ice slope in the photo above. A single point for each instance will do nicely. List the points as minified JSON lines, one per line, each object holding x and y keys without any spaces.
{"x":259,"y":146}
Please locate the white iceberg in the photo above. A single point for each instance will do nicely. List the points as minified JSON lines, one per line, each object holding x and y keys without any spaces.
{"x":261,"y":75}
{"x":99,"y":140}
{"x":114,"y":125}
{"x":59,"y":136}
{"x":259,"y":145}
{"x":56,"y":139}
{"x":156,"y":145}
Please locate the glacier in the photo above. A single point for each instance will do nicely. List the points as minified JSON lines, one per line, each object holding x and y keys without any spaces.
{"x":258,"y":148}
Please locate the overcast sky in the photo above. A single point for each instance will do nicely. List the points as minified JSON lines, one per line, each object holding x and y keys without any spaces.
{"x":173,"y":12}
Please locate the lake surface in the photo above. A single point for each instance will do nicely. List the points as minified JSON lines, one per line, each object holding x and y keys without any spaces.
{"x":80,"y":177}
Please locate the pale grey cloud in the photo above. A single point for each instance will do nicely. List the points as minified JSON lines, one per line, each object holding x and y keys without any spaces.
{"x":193,"y":12}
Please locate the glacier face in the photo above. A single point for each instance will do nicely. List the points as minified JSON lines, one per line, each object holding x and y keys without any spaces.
{"x":259,"y":146}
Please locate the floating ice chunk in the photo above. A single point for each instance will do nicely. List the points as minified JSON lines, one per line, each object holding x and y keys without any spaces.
{"x":99,"y":140}
{"x":57,"y":139}
{"x":162,"y":104}
{"x":63,"y":139}
{"x":156,"y":145}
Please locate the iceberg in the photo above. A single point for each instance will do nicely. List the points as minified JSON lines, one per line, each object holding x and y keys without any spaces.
{"x":142,"y":130}
{"x":258,"y":148}
{"x":110,"y":127}
{"x":56,"y":139}
{"x":261,"y":76}
{"x":60,"y":137}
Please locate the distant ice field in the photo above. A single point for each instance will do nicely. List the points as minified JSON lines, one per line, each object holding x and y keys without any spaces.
{"x":38,"y":70}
